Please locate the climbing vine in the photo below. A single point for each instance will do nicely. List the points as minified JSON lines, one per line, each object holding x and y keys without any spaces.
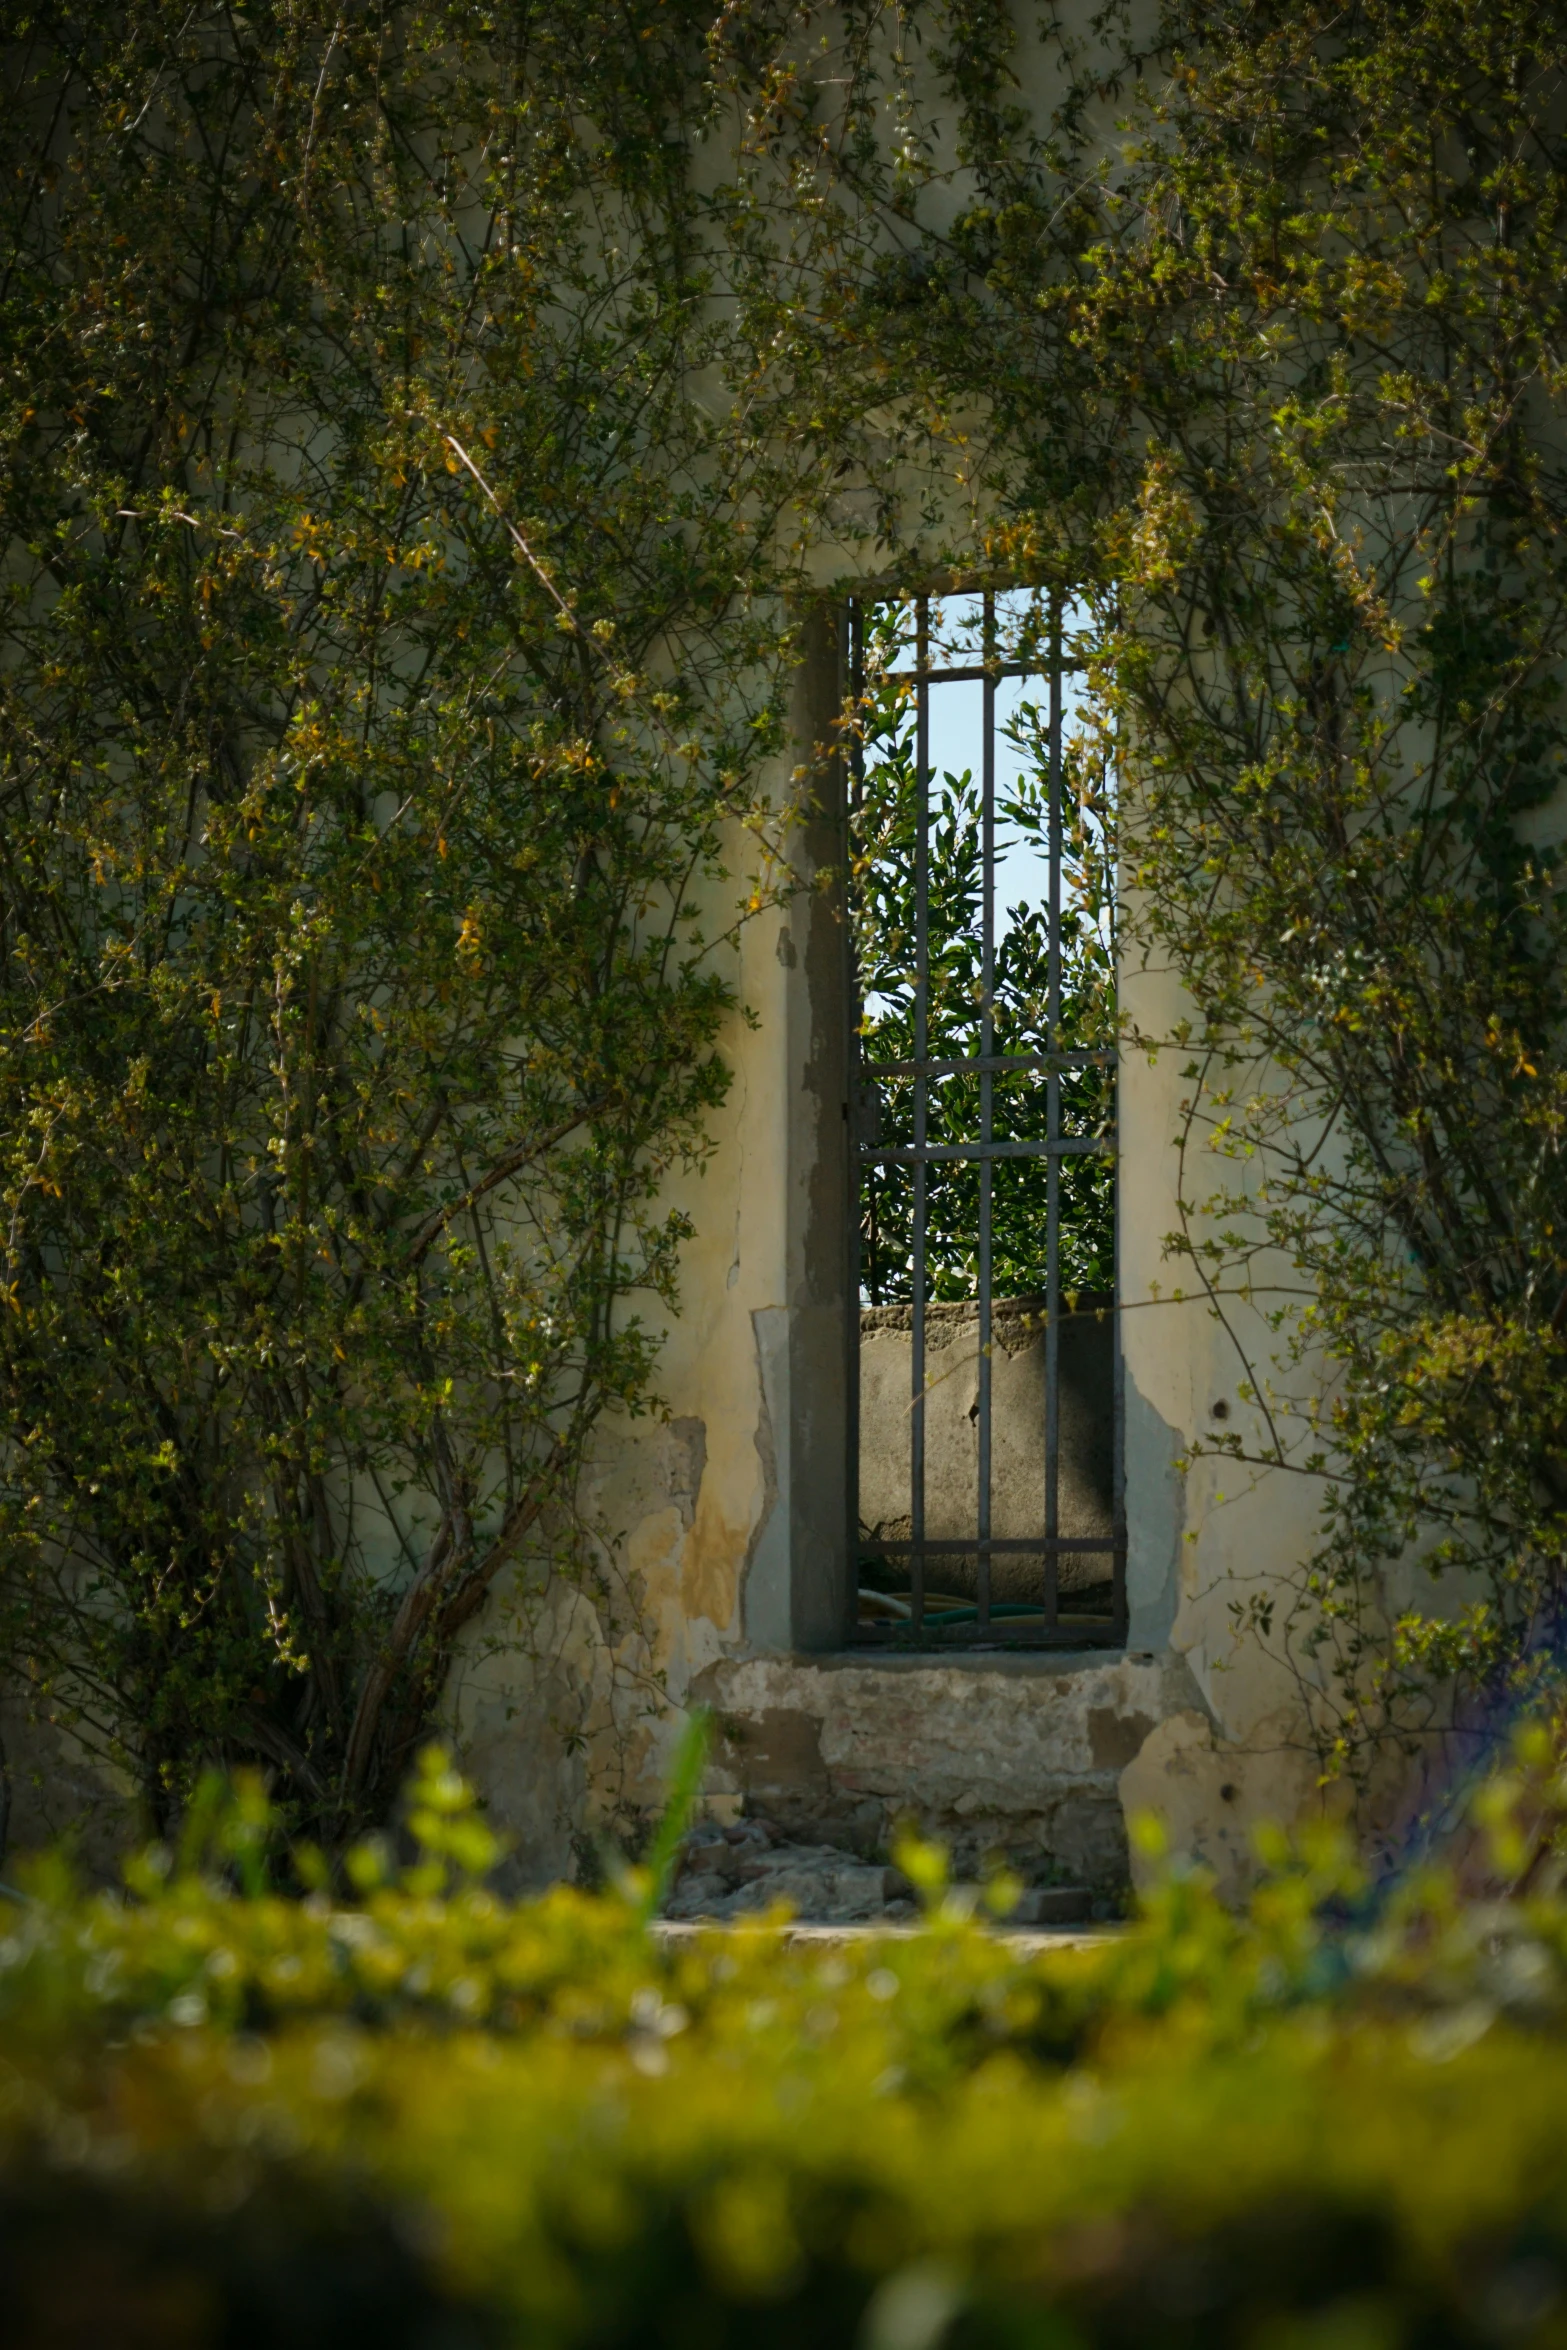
{"x":1318,"y":328}
{"x":388,"y":688}
{"x":1340,"y":667}
{"x":1251,"y":334}
{"x":417,"y":429}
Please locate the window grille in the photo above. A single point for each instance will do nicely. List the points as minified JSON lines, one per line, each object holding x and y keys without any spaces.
{"x":982,"y":1135}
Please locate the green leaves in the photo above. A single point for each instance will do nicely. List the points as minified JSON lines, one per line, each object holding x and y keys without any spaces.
{"x":1294,"y":388}
{"x":882,"y":848}
{"x":361,"y":808}
{"x":1340,"y":2108}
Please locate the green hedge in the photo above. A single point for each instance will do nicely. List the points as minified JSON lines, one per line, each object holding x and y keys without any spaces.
{"x":426,"y":2116}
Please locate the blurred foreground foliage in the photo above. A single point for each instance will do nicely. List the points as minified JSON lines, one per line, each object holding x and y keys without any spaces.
{"x":230,"y":2113}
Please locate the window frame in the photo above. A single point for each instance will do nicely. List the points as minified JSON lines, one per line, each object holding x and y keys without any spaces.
{"x":1048,"y":1629}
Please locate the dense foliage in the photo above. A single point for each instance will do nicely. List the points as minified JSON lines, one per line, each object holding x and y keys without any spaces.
{"x":1348,"y":678}
{"x":244,"y":2115}
{"x":383,"y":716}
{"x":412,"y":422}
{"x":1257,"y":344}
{"x":1340,"y":662}
{"x":1080,"y":1021}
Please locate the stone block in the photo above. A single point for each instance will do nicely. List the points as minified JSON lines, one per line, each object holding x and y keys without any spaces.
{"x":1053,"y":1905}
{"x":1014,"y":1755}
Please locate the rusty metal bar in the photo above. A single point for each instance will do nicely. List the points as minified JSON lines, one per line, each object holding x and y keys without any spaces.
{"x":987,"y":1046}
{"x":1053,"y":1137}
{"x":852,"y":673}
{"x":921,"y":1106}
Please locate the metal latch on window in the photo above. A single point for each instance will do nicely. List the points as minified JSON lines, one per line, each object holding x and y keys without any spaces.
{"x":865,"y":1115}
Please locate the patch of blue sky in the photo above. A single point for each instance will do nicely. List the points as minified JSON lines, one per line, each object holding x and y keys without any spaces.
{"x":957,"y":726}
{"x":957,"y":746}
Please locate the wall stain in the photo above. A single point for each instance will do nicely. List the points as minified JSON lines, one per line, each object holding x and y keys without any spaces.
{"x":687,"y":1465}
{"x":1115,"y":1739}
{"x":766,"y":1453}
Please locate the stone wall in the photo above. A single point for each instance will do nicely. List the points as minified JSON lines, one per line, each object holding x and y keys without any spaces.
{"x":715,"y":1530}
{"x":1012,"y":1754}
{"x":723,"y":1529}
{"x":1017,"y":1441}
{"x":722,"y":1532}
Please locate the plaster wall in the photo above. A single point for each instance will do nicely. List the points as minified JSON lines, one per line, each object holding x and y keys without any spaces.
{"x":723,"y":1527}
{"x":720,"y":1525}
{"x":1203,"y":1534}
{"x":1012,"y":1753}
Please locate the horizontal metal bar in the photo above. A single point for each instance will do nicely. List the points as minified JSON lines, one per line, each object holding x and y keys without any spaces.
{"x":979,"y":673}
{"x":1083,"y":1631}
{"x":982,"y":1061}
{"x":962,"y":1545}
{"x":1069,"y":1146}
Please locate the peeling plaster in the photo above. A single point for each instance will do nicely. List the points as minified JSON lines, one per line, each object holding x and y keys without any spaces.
{"x":727,"y":1516}
{"x":763,"y":1573}
{"x":987,"y":1756}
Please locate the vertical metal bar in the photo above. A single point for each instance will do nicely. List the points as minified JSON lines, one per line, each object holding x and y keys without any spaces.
{"x":1118,"y":1396}
{"x":852,"y":671}
{"x":1053,"y":1140}
{"x":1117,"y":1364}
{"x":921,"y":1055}
{"x":987,"y":1045}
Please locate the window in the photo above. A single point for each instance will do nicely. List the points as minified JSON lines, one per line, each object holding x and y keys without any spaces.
{"x":987,"y":1446}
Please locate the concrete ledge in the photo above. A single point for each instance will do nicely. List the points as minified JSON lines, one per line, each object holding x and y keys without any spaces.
{"x":1021,"y":1942}
{"x":1004,"y":1752}
{"x":1020,"y":1663}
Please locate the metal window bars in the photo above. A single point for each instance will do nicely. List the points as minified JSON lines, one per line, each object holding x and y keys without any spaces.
{"x":931,"y":1555}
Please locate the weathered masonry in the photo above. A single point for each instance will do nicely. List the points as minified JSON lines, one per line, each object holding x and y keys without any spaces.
{"x":920,"y":1524}
{"x":916,"y":1525}
{"x":816,"y":837}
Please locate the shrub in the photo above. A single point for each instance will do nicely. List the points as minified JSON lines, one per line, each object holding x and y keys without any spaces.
{"x":232,"y":2113}
{"x":386,"y":698}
